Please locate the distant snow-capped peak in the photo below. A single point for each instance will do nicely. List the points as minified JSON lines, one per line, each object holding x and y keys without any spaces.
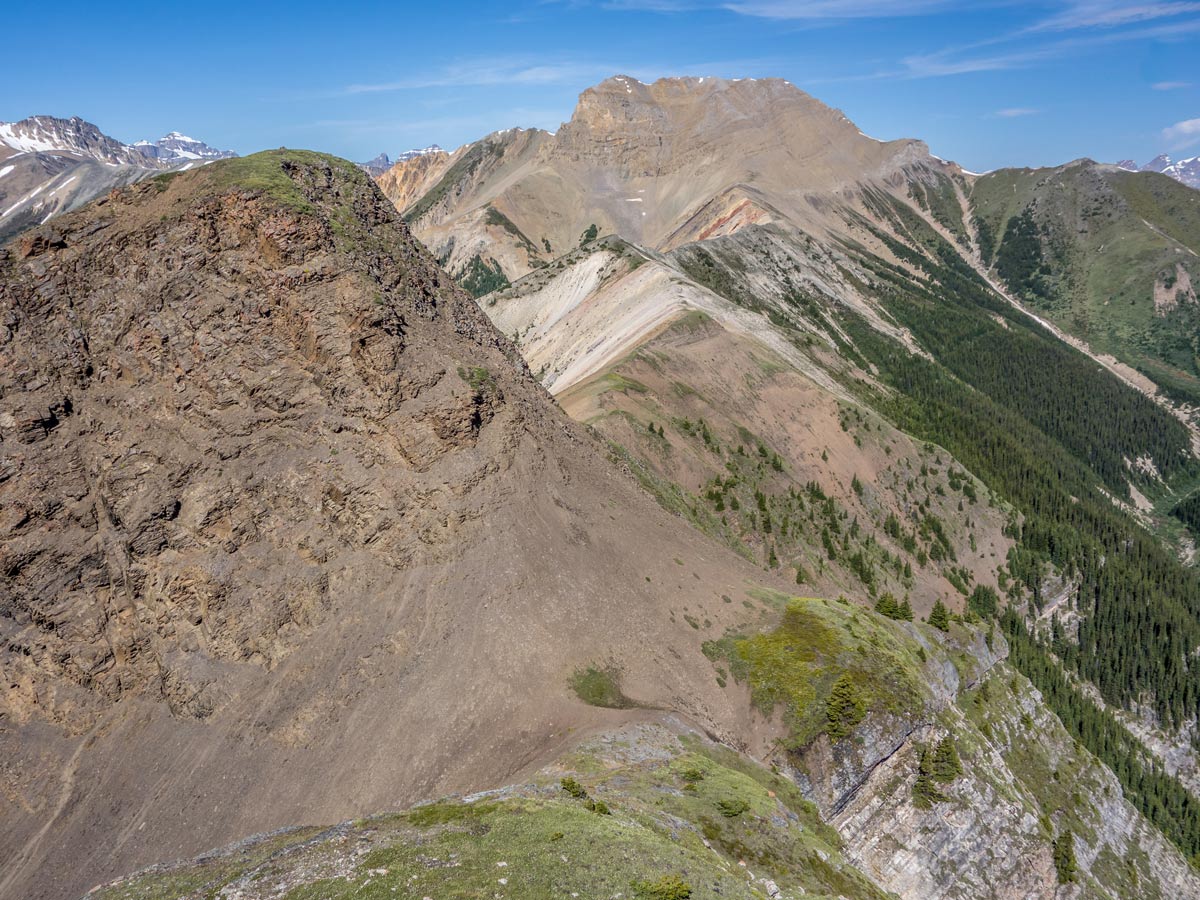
{"x":75,"y":137}
{"x":1185,"y":171}
{"x":424,"y":151}
{"x":177,"y":146}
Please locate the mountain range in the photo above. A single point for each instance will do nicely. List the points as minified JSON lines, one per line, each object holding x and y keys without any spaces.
{"x":1186,"y":171}
{"x":382,"y":162}
{"x":705,"y":499}
{"x":50,"y":165}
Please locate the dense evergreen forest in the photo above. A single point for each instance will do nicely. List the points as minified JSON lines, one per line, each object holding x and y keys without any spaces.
{"x":1187,"y":511}
{"x":1039,"y":422}
{"x":1161,"y":798}
{"x":1047,"y":429}
{"x":1056,"y":435}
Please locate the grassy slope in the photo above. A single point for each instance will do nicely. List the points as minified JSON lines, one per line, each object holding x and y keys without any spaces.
{"x":682,"y":811}
{"x":1106,"y":237}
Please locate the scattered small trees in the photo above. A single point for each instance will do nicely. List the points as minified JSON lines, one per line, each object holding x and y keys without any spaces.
{"x":935,"y":767}
{"x":577,"y":792}
{"x":984,"y":601}
{"x":894,"y":609}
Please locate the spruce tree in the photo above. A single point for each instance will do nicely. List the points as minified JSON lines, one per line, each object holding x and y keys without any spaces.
{"x":939,"y":616}
{"x":946,"y":764}
{"x":1064,"y":858}
{"x":925,"y":791}
{"x":844,"y":709}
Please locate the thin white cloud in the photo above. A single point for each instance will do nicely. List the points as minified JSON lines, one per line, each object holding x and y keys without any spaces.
{"x":967,"y":59}
{"x":487,"y":72}
{"x":1015,"y":112}
{"x":1170,"y":85}
{"x":834,"y":9}
{"x":1112,"y":14}
{"x":1182,"y":134}
{"x":1070,"y":14}
{"x":520,"y":71}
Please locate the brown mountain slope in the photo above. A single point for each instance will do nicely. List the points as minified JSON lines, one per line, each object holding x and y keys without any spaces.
{"x":658,"y":164}
{"x":276,"y":500}
{"x":692,"y":384}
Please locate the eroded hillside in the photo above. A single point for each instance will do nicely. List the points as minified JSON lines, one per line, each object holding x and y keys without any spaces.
{"x":278,"y":500}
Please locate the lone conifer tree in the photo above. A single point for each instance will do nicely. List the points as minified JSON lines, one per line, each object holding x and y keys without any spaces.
{"x":939,"y":616}
{"x":1064,"y":858}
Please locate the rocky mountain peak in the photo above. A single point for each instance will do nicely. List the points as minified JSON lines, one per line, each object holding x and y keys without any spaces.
{"x":661,"y":127}
{"x":688,"y":104}
{"x":267,"y":472}
{"x":1158,"y":164}
{"x":74,"y":136}
{"x":1185,"y":171}
{"x":178,"y":147}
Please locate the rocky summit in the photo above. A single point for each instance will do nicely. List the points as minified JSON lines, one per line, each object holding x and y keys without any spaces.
{"x":291,"y":534}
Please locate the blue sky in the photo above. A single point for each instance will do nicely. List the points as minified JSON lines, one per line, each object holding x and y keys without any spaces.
{"x":986,"y":84}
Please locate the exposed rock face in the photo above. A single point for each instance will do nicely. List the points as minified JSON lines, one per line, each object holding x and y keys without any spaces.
{"x":1025,"y":781}
{"x":39,"y":134}
{"x":376,"y":166}
{"x":277,"y":500}
{"x":409,"y":179}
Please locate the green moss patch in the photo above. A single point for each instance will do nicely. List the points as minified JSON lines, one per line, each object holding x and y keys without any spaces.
{"x":600,"y":687}
{"x":827,"y":666}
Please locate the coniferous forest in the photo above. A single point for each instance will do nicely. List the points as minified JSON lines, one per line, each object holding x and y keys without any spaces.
{"x":1051,"y":431}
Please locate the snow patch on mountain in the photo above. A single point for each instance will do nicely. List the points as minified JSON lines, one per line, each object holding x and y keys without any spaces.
{"x":1185,"y":171}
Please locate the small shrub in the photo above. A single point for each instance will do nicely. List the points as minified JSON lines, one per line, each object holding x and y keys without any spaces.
{"x":600,"y":687}
{"x":573,"y":787}
{"x":691,"y":774}
{"x":732,"y":808}
{"x":668,"y":887}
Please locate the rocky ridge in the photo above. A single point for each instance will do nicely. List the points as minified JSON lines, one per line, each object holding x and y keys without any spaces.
{"x":593,"y":820}
{"x":277,"y":496}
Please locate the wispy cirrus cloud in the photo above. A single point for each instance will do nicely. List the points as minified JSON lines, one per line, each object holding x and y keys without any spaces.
{"x":1111,"y":14}
{"x":1171,"y":85}
{"x":1015,"y":112}
{"x":1067,"y":14}
{"x":1182,"y":134}
{"x":487,"y":72}
{"x":522,"y":71}
{"x":835,"y":9}
{"x":993,"y":54}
